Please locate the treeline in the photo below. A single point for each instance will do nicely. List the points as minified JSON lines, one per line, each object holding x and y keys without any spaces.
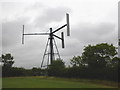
{"x":90,"y":73}
{"x":107,"y":73}
{"x":69,"y":72}
{"x":16,"y":71}
{"x":98,"y":61}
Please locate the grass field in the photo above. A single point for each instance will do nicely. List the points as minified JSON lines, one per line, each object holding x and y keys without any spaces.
{"x":52,"y":82}
{"x":0,"y":83}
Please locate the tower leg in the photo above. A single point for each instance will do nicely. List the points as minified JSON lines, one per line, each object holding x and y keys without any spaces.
{"x":51,"y":46}
{"x":45,"y":53}
{"x":56,"y":49}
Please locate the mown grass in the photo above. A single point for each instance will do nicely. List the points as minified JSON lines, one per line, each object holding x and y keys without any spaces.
{"x":0,"y":82}
{"x":53,"y":82}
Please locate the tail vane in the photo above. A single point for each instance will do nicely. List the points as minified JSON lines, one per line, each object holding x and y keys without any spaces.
{"x":23,"y":35}
{"x":68,"y":26}
{"x":62,"y":35}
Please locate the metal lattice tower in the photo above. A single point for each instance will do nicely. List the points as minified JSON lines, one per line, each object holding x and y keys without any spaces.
{"x":47,"y":53}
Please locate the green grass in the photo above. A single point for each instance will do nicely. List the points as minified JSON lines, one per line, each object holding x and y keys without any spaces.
{"x":0,"y":82}
{"x":52,"y":82}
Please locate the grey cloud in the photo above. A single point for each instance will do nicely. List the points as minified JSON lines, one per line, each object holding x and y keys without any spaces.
{"x":51,"y":15}
{"x":90,"y":33}
{"x":9,"y":34}
{"x":104,"y":28}
{"x":12,"y":32}
{"x":72,"y":47}
{"x":35,"y":6}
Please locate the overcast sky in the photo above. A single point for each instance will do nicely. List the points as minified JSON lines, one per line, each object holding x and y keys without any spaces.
{"x":91,"y":22}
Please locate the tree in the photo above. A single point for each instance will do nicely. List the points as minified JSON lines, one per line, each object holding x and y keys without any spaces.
{"x":7,"y":60}
{"x":56,"y":68}
{"x":77,"y":61}
{"x":98,"y":56}
{"x":36,"y":71}
{"x":114,"y":63}
{"x":97,"y":61}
